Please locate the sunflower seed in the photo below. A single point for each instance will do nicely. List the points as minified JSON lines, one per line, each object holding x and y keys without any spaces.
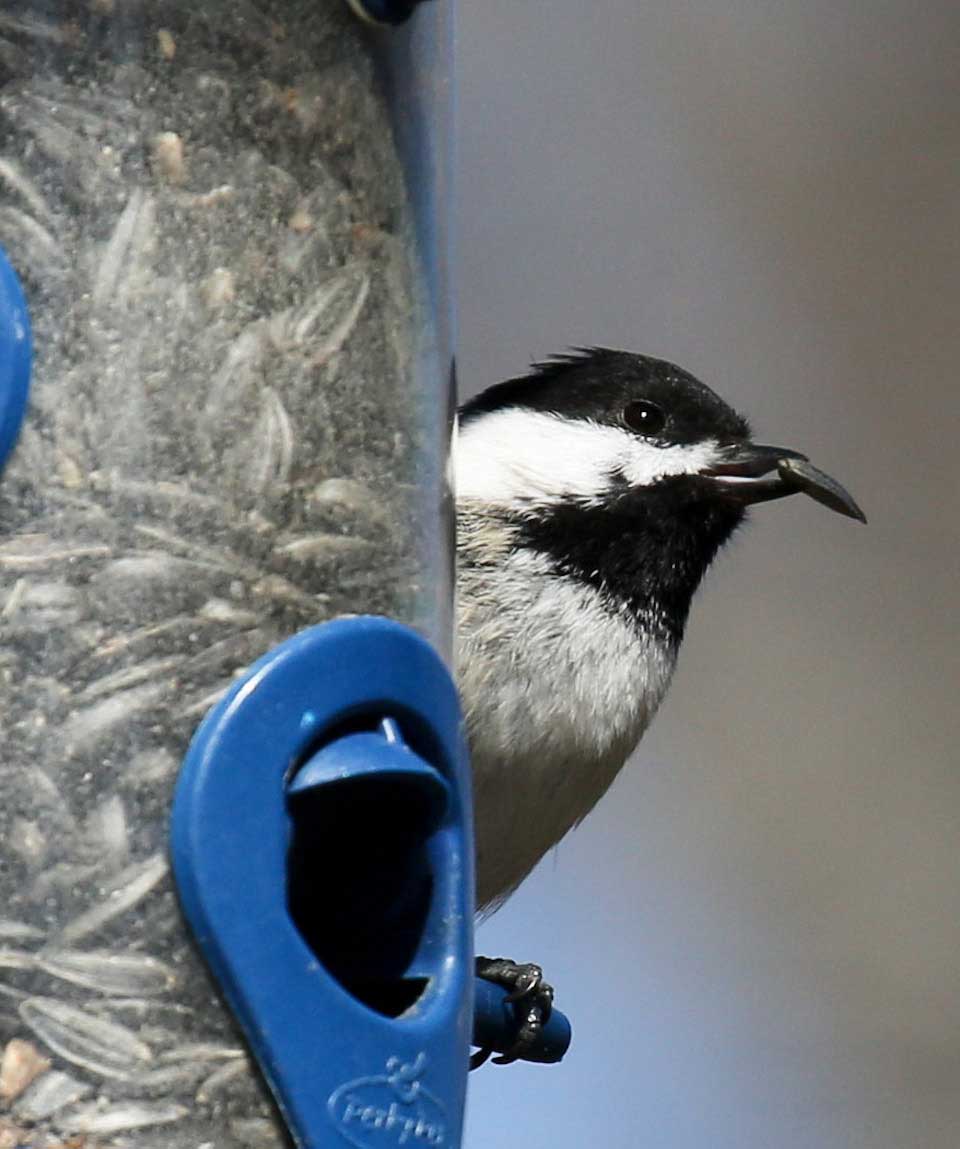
{"x":102,"y":1047}
{"x":106,"y":831}
{"x":16,"y":959}
{"x":18,"y":931}
{"x":167,"y":1081}
{"x":257,"y":1132}
{"x":202,"y":1051}
{"x":108,"y":972}
{"x":221,"y":1078}
{"x":48,"y":1094}
{"x":86,"y":728}
{"x":130,"y":887}
{"x":93,"y":1118}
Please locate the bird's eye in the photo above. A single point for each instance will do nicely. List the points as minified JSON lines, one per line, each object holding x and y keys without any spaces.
{"x":644,"y":417}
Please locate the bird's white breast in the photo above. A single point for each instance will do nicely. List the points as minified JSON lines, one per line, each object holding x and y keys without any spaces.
{"x":557,"y":687}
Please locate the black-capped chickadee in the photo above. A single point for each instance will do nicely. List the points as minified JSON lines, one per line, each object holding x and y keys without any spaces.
{"x":592,"y":495}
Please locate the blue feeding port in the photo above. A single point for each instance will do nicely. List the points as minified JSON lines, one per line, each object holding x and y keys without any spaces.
{"x":322,"y":849}
{"x":365,"y":808}
{"x":16,"y":353}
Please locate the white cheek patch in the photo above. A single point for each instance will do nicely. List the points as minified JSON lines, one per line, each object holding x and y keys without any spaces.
{"x":522,"y":456}
{"x":648,"y":462}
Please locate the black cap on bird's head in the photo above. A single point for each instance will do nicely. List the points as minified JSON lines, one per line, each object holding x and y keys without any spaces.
{"x":624,"y":472}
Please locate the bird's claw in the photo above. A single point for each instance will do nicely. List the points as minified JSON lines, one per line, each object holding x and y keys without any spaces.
{"x":529,"y":992}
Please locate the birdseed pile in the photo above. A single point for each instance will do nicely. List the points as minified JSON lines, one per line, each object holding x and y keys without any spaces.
{"x":225,"y":445}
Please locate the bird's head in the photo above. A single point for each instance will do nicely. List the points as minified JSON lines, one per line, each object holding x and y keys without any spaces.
{"x":623,"y":468}
{"x":598,"y":425}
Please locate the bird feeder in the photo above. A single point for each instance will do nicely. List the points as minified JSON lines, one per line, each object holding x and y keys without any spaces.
{"x":225,"y":223}
{"x":237,"y":429}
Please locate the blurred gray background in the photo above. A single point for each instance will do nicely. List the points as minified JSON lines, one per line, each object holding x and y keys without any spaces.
{"x":757,"y":932}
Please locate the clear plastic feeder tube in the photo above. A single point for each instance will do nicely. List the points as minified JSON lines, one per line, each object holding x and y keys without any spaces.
{"x":238,"y":428}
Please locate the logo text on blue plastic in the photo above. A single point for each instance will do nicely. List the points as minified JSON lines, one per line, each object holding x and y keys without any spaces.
{"x":393,"y":1108}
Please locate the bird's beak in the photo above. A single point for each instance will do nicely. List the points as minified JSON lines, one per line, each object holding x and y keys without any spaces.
{"x":751,"y":473}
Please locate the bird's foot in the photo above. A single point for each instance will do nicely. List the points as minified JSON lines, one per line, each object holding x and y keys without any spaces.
{"x":532,"y":996}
